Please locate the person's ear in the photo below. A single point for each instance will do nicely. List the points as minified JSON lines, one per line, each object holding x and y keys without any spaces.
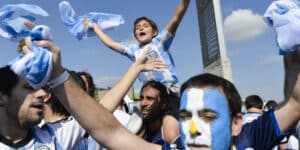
{"x":3,"y":99}
{"x":47,"y":98}
{"x":154,"y":33}
{"x":237,"y":124}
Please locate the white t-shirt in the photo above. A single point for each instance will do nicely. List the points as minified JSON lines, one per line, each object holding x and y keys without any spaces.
{"x":68,"y":133}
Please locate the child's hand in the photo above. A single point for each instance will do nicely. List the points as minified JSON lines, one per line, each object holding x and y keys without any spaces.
{"x":29,"y":24}
{"x":88,"y":24}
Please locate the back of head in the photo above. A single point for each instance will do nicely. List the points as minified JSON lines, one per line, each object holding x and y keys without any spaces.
{"x":254,"y":101}
{"x":207,"y":79}
{"x":8,"y":80}
{"x":88,"y":82}
{"x":55,"y":104}
{"x":271,"y":104}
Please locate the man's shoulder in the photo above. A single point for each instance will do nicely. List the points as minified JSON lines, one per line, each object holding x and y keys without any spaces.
{"x":41,"y":133}
{"x":258,"y":134}
{"x":249,"y":117}
{"x":38,"y":139}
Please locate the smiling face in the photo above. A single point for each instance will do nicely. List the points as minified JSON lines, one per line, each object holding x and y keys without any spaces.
{"x":204,"y":120}
{"x":26,"y":104}
{"x":151,"y":105}
{"x":144,"y":32}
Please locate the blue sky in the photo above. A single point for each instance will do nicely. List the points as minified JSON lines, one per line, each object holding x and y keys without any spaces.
{"x":256,"y":66}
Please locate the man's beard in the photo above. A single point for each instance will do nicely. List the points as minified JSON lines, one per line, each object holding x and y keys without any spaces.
{"x":152,"y":117}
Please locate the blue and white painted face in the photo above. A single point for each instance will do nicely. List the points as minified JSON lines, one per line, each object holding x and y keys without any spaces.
{"x":204,"y":120}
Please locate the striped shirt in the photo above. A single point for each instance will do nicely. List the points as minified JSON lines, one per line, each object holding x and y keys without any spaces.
{"x":61,"y":135}
{"x":158,"y":48}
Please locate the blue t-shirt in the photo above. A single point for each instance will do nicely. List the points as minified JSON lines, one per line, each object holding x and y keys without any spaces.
{"x":250,"y":116}
{"x":176,"y":145}
{"x":158,"y":48}
{"x":156,"y":138}
{"x":261,"y":134}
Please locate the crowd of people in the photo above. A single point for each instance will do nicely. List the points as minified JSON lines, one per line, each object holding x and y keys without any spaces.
{"x":54,"y":108}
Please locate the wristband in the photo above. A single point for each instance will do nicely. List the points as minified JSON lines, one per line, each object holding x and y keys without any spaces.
{"x":59,"y":80}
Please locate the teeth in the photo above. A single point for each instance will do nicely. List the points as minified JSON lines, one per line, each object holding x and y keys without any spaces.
{"x":38,"y":105}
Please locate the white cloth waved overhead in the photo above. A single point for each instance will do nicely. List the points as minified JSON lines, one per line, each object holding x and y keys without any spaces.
{"x":36,"y":65}
{"x":76,"y":26}
{"x":12,"y":17}
{"x":284,"y":17}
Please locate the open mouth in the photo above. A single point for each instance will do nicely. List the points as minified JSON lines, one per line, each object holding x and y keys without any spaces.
{"x":145,"y":111}
{"x":38,"y":105}
{"x":142,"y":33}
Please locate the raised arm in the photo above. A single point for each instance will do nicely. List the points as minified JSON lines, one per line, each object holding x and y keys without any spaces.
{"x":109,"y":42}
{"x":93,"y":117}
{"x":289,"y":114}
{"x":178,"y":15}
{"x":113,"y":97}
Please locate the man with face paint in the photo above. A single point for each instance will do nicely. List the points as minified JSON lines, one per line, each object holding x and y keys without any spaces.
{"x":205,"y":118}
{"x":205,"y":114}
{"x":211,"y":118}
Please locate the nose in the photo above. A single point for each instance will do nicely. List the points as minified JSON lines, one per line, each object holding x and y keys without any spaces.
{"x":193,"y":129}
{"x":40,"y":94}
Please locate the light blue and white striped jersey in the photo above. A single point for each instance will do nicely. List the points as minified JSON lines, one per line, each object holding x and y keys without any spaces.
{"x":61,"y":135}
{"x":68,"y":134}
{"x":159,"y":48}
{"x":39,"y":139}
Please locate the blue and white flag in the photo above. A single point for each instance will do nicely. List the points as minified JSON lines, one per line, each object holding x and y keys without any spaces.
{"x":12,"y":17}
{"x":75,"y":23}
{"x":36,"y":65}
{"x":284,"y":17}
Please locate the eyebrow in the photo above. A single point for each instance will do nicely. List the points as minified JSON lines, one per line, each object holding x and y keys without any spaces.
{"x":148,"y":97}
{"x":184,"y":111}
{"x":205,"y":110}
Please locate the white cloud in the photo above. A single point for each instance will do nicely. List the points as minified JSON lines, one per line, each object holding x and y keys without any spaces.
{"x":243,"y":24}
{"x":107,"y":81}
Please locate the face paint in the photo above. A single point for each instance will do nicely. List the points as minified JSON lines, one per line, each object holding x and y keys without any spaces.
{"x":205,"y":121}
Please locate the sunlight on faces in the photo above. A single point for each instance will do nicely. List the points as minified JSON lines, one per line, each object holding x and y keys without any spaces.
{"x":26,"y":104}
{"x":151,"y":105}
{"x":204,"y":120}
{"x":144,"y":32}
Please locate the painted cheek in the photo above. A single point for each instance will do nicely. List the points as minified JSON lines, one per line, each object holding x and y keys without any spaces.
{"x":184,"y":131}
{"x":220,"y":128}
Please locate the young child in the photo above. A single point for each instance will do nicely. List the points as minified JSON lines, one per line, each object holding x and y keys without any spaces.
{"x":148,"y":37}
